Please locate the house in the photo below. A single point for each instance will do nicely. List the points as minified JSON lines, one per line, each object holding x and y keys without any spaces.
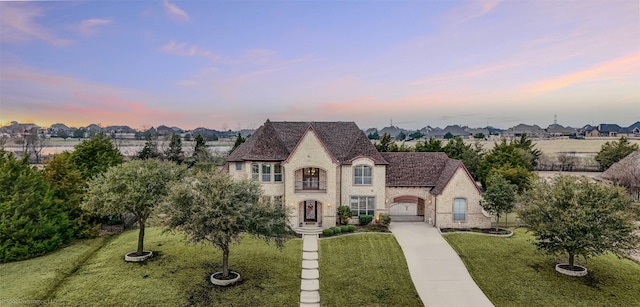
{"x":519,"y":130}
{"x":556,"y":130}
{"x":315,"y":167}
{"x":451,"y":130}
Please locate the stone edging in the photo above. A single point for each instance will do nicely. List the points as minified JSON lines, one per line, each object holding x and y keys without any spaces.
{"x":478,"y":233}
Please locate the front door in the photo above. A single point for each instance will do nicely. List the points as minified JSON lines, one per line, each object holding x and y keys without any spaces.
{"x":310,"y":211}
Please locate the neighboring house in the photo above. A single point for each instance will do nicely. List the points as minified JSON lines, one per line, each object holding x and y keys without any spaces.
{"x":533,"y":131}
{"x":454,"y":130}
{"x":315,"y":167}
{"x":392,"y":131}
{"x":556,"y":130}
{"x":476,"y":131}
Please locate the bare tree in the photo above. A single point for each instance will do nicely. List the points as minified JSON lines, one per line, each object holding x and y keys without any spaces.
{"x":4,"y":139}
{"x":626,"y":173}
{"x":35,"y":143}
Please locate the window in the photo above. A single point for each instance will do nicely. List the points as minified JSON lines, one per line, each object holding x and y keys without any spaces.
{"x":363,"y":205}
{"x":238,"y":166}
{"x":459,"y":210}
{"x":255,"y":171}
{"x":277,"y":172}
{"x":362,"y":174}
{"x":266,"y":172}
{"x":311,"y":179}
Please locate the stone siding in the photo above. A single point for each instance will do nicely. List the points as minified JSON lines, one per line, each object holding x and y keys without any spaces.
{"x":461,"y":186}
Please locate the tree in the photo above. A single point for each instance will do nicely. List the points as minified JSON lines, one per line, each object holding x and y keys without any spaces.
{"x":239,"y":140}
{"x":174,"y":152}
{"x":386,"y":144}
{"x":31,"y":222}
{"x":502,"y":158}
{"x":68,"y":190}
{"x":401,"y":136}
{"x":35,"y":143}
{"x":500,"y":196}
{"x":431,"y":145}
{"x":373,"y":136}
{"x":527,"y":146}
{"x":612,"y":152}
{"x":200,"y":152}
{"x":469,"y":154}
{"x":150,"y":149}
{"x":95,"y":155}
{"x":448,"y":135}
{"x":135,"y":187}
{"x":478,"y":136}
{"x":416,"y":135}
{"x":580,"y":218}
{"x":212,"y":207}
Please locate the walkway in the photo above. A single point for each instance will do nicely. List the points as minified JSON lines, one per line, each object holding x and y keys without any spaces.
{"x":310,"y":284}
{"x":436,"y":270}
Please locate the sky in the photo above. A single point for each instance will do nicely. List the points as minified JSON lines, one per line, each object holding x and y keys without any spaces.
{"x":235,"y":64}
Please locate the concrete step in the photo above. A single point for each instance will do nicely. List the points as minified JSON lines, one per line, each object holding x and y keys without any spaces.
{"x":309,"y":297}
{"x":309,"y":304}
{"x":310,"y":243}
{"x":310,"y":274}
{"x":308,"y":230}
{"x":310,"y":285}
{"x":310,"y":264}
{"x":309,"y":255}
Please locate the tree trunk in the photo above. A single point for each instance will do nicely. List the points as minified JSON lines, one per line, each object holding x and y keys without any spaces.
{"x":571,"y":256}
{"x":225,"y":262}
{"x":140,"y":238}
{"x":498,"y":221}
{"x":506,"y":220}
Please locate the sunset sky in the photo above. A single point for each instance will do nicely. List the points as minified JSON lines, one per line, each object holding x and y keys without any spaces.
{"x":233,"y":64}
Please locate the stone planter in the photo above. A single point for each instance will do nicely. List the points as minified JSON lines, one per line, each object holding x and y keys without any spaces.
{"x":132,"y":257}
{"x":577,"y":271}
{"x":225,"y":282}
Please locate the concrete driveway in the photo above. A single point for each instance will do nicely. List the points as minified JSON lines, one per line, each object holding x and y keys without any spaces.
{"x":436,"y":270}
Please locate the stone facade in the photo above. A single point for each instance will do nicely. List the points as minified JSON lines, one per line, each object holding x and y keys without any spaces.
{"x":423,"y":185}
{"x":463,"y":187}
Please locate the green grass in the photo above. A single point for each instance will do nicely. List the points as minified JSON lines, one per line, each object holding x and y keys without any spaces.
{"x":178,"y":275}
{"x":365,"y":270}
{"x":36,"y":278}
{"x":511,"y":272}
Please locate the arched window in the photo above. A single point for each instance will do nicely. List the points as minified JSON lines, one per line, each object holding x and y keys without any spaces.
{"x":362,"y":174}
{"x":255,"y":171}
{"x":459,"y":210}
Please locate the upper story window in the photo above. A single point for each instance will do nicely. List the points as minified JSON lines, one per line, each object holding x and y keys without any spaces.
{"x":266,"y":172}
{"x":255,"y":171}
{"x":277,"y":172}
{"x":311,"y":178}
{"x":238,"y":166}
{"x":459,"y":210}
{"x":362,"y":174}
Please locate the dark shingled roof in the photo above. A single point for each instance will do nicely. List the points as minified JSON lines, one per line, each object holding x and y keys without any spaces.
{"x":420,"y":169}
{"x":275,"y":141}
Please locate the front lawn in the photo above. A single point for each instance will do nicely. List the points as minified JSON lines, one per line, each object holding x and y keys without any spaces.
{"x":177,"y":276}
{"x":511,"y":272}
{"x":365,"y":270}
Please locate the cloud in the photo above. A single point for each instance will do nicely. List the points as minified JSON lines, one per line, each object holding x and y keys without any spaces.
{"x":18,"y":24}
{"x":182,"y":49}
{"x":471,"y":10}
{"x":88,"y":26}
{"x":618,"y":68}
{"x":465,"y":75}
{"x":175,"y":12}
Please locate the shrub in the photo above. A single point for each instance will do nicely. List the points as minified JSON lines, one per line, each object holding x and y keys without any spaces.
{"x":385,"y":219}
{"x":336,"y":230}
{"x":327,"y":232}
{"x":351,"y":228}
{"x":344,"y":228}
{"x":344,"y":214}
{"x":365,"y":219}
